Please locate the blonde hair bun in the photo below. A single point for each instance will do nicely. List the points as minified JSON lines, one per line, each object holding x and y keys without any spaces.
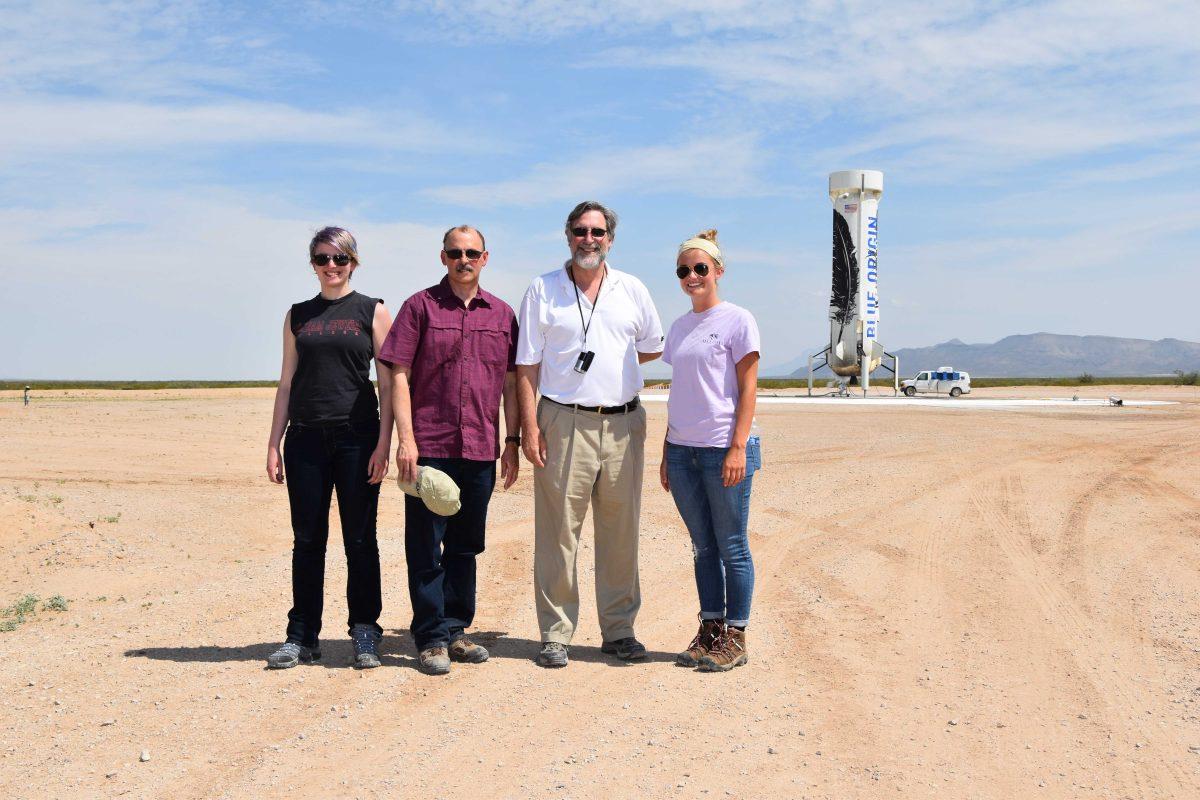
{"x":710,"y":235}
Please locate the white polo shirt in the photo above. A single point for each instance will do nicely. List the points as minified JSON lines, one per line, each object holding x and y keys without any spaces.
{"x":624,"y":322}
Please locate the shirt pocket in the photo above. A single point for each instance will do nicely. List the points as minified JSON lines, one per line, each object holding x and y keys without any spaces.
{"x":491,"y":344}
{"x":444,"y":342}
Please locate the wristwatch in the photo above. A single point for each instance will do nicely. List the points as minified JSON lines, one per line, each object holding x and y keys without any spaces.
{"x":513,"y":440}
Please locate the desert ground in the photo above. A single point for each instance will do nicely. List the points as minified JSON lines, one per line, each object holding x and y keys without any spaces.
{"x":949,"y":603}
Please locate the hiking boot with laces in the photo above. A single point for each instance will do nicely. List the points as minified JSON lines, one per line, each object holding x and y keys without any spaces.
{"x":627,"y":649}
{"x":727,"y":652}
{"x":366,"y":646}
{"x":553,"y":654}
{"x":290,"y":654}
{"x":434,"y":660}
{"x":702,"y":642}
{"x":467,"y":651}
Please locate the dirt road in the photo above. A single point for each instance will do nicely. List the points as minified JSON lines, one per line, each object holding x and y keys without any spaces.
{"x":953,"y":604}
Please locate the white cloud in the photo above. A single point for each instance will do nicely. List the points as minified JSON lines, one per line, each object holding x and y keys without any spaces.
{"x":1081,"y":248}
{"x":136,"y":48}
{"x":526,"y":20}
{"x":112,"y":77}
{"x":716,"y":167}
{"x":182,"y":283}
{"x":951,"y":88}
{"x":55,"y":125}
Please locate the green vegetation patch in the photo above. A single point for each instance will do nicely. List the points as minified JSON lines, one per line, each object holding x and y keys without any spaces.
{"x":15,"y":615}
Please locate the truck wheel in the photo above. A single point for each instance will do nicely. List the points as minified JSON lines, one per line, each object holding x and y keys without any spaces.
{"x":910,"y":391}
{"x":955,"y":392}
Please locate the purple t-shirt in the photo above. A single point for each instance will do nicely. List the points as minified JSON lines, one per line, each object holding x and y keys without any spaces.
{"x":457,"y":356}
{"x":703,"y":350}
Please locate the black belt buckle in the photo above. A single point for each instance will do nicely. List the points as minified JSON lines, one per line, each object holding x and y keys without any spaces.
{"x":623,"y":409}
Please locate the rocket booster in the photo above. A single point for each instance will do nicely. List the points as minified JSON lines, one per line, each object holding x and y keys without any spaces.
{"x":854,"y":297}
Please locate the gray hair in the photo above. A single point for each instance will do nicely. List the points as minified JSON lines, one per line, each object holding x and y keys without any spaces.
{"x":610,"y":217}
{"x":465,"y":229}
{"x":340,"y":238}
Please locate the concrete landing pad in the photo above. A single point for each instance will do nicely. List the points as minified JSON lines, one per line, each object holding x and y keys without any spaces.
{"x":991,"y":403}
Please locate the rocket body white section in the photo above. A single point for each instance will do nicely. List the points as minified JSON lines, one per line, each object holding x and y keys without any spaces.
{"x":854,"y":298}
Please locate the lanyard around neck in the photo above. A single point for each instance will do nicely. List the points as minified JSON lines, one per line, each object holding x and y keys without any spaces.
{"x":579,"y":303}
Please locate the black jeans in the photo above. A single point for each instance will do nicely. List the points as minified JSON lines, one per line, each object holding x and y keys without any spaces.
{"x":316,"y":461}
{"x":441,"y":551}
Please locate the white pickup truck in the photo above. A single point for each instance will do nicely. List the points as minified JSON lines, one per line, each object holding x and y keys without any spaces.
{"x":944,"y":380}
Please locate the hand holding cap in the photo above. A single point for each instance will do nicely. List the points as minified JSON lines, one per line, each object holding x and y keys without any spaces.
{"x":436,"y":489}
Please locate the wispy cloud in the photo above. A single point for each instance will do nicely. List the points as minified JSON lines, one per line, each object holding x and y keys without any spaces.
{"x":960,"y":86}
{"x":965,"y":86}
{"x":531,"y":20}
{"x":55,"y":125}
{"x":717,"y":167}
{"x":189,"y":282}
{"x":139,"y":48}
{"x":113,"y":77}
{"x":1100,"y":246}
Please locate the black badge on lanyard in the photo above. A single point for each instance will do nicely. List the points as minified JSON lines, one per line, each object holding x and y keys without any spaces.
{"x":583,"y":362}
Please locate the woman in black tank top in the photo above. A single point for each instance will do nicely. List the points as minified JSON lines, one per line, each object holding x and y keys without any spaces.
{"x":338,"y":438}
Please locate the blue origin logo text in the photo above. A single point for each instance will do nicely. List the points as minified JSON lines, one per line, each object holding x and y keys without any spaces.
{"x":872,"y":294}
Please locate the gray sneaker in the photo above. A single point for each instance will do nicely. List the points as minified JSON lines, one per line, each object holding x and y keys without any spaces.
{"x":366,"y":646}
{"x":434,"y":660}
{"x":553,"y":655}
{"x":290,"y":654}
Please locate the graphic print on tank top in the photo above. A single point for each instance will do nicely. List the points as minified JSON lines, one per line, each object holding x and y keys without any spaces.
{"x":323,"y":327}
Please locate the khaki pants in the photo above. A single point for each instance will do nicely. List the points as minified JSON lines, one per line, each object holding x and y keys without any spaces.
{"x":599,"y":459}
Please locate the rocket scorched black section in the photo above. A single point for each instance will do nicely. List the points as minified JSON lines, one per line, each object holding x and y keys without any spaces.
{"x":844,"y":294}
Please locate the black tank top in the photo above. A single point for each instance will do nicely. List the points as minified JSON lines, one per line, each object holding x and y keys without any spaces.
{"x":335,"y":346}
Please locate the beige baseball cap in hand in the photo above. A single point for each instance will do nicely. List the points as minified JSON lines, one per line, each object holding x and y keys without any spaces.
{"x":437,"y":489}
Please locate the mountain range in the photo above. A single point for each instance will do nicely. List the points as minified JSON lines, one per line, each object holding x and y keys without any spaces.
{"x":1037,"y":355}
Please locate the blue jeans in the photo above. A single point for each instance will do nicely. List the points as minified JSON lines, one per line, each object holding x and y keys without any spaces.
{"x":317,"y":461}
{"x":716,"y":516}
{"x":440,"y":552}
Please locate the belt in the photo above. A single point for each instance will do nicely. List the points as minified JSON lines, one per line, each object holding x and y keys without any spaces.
{"x":621,"y":409}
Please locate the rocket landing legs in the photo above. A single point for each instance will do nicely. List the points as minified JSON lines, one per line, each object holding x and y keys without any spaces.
{"x":842,"y":388}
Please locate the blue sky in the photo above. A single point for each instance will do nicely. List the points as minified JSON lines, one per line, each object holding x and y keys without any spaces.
{"x":163,"y":165}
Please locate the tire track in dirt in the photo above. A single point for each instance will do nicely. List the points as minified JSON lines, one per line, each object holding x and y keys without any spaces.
{"x":1002,"y":506}
{"x":1132,"y":470}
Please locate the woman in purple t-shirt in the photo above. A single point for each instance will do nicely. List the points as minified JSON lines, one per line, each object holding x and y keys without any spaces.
{"x":710,"y":454}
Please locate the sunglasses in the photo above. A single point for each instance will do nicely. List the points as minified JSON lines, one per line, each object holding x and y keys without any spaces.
{"x":684,"y":270}
{"x":455,"y":253}
{"x":321,"y":259}
{"x":597,"y":233}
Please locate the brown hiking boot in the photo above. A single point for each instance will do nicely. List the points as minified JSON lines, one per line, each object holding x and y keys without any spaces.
{"x":434,"y":660}
{"x":727,"y":652}
{"x":710,"y":631}
{"x":465,"y":650}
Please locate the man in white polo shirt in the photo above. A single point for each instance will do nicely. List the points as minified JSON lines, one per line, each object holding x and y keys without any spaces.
{"x":584,"y":329}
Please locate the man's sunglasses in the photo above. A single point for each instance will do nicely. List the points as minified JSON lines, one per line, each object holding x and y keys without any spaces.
{"x":455,"y":253}
{"x":683,"y":270}
{"x":597,"y":233}
{"x":321,"y":259}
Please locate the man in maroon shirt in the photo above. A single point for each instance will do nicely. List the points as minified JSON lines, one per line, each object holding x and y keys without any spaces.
{"x":452,"y":350}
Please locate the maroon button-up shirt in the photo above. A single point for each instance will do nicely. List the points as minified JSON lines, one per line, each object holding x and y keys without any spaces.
{"x":457,"y":356}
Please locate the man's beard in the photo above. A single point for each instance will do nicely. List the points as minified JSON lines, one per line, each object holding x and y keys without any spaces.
{"x":589,"y":260}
